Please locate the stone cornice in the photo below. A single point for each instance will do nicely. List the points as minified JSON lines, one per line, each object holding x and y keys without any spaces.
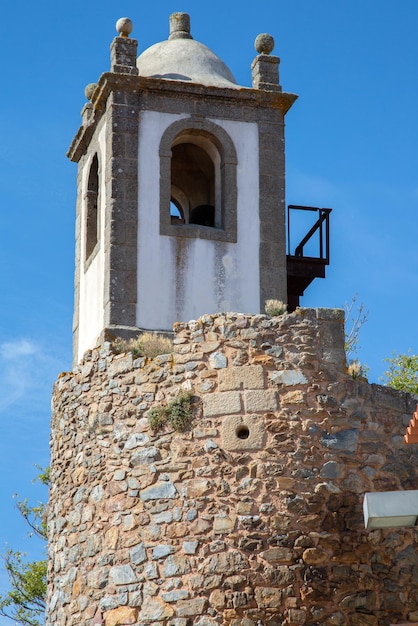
{"x":110,"y":82}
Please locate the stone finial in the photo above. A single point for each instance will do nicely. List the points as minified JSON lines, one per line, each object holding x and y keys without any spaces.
{"x":88,"y":109}
{"x":123,"y":49}
{"x":264,"y":43}
{"x":89,"y":90}
{"x":124,"y":26}
{"x":180,"y":26}
{"x":265,"y":67}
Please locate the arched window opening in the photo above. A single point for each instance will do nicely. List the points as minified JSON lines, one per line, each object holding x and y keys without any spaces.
{"x":176,"y":212}
{"x":198,"y":175}
{"x":92,"y":213}
{"x":193,"y":173}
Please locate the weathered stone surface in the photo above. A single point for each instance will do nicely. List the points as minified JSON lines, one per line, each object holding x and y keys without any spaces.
{"x":344,"y":440}
{"x":224,"y":403}
{"x":224,"y":563}
{"x":122,"y":615}
{"x":223,"y":524}
{"x":331,"y":469}
{"x":278,"y":555}
{"x":249,"y":377}
{"x":243,"y":432}
{"x":268,"y":597}
{"x":195,"y":606}
{"x":296,"y":616}
{"x":190,"y":547}
{"x":154,"y":610}
{"x":288,"y":378}
{"x":260,"y":401}
{"x":176,"y":566}
{"x":175,"y":595}
{"x":313,"y":556}
{"x":122,"y":575}
{"x":161,"y":551}
{"x":145,"y":456}
{"x":159,"y":490}
{"x":217,"y":360}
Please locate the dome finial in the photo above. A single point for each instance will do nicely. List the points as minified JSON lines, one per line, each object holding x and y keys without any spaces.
{"x":264,"y":43}
{"x":180,"y":26}
{"x":124,"y":26}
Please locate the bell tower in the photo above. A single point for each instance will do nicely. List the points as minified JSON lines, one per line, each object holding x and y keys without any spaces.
{"x":181,"y":188}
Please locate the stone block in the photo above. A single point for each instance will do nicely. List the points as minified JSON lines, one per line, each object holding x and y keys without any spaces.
{"x":344,"y":440}
{"x":260,"y":401}
{"x":314,"y":556}
{"x":224,"y":403}
{"x":217,"y":360}
{"x":293,"y":397}
{"x":288,"y":378}
{"x":278,"y":555}
{"x":296,"y":617}
{"x":122,"y":615}
{"x":223,"y":524}
{"x":190,"y":547}
{"x":138,"y":554}
{"x":268,"y":597}
{"x":176,"y":566}
{"x":161,"y":551}
{"x":195,"y":487}
{"x":243,"y":432}
{"x":246,"y":377}
{"x":120,"y":365}
{"x":154,"y":609}
{"x":175,"y":595}
{"x":158,"y":490}
{"x":122,"y":575}
{"x":195,"y":606}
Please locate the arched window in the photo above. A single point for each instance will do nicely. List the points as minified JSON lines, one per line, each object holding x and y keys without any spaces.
{"x":91,"y":208}
{"x":198,"y":186}
{"x":193,"y":172}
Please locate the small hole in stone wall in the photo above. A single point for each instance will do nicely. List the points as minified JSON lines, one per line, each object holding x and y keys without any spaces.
{"x":243,"y":432}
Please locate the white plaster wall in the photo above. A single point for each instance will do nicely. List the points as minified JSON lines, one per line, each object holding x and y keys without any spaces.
{"x":91,"y":305}
{"x":178,"y":278}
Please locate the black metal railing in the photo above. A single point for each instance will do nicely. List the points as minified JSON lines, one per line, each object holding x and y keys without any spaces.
{"x":321,"y":226}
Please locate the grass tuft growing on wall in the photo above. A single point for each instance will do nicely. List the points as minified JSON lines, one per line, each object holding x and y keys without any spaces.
{"x":149,"y":345}
{"x":275,"y":307}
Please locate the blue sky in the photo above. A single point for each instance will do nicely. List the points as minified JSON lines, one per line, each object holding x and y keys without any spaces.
{"x":351,"y":144}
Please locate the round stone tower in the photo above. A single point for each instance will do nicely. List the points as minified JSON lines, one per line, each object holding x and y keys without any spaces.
{"x":245,"y":507}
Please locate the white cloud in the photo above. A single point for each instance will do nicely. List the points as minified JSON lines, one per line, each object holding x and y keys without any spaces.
{"x":12,"y":350}
{"x":26,"y":374}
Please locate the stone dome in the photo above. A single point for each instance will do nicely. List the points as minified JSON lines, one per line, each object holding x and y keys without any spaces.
{"x":183,"y":58}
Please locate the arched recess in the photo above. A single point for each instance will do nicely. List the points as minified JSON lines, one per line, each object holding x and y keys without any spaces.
{"x":198,"y":174}
{"x":92,"y":209}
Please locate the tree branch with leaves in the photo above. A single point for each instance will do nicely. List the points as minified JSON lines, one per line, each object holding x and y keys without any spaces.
{"x":24,"y":603}
{"x":403,"y":372}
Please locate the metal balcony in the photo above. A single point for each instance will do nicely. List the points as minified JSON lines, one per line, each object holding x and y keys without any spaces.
{"x":310,"y":256}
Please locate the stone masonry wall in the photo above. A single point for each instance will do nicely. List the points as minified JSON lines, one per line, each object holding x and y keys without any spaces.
{"x":253,"y":516}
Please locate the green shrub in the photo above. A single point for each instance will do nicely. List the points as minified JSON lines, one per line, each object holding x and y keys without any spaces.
{"x":178,"y":413}
{"x":157,"y":417}
{"x":275,"y":307}
{"x":149,"y":345}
